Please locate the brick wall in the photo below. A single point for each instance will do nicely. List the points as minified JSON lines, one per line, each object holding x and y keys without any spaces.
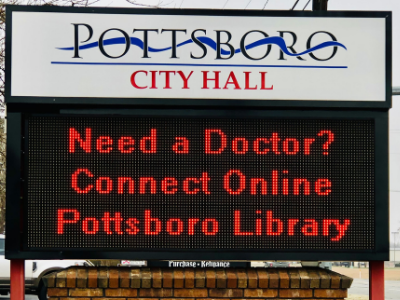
{"x":195,"y":284}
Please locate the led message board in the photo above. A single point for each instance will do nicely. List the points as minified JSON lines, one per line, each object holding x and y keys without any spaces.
{"x":148,"y":183}
{"x":237,"y":135}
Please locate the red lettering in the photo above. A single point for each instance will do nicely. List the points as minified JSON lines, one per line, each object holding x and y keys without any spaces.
{"x":149,"y":141}
{"x":275,"y":181}
{"x":270,"y":225}
{"x":256,"y":146}
{"x":291,"y":224}
{"x":254,"y":183}
{"x":285,"y":184}
{"x":244,"y":146}
{"x":104,"y":141}
{"x":125,"y":144}
{"x":61,"y":218}
{"x":263,"y":82}
{"x":232,"y":80}
{"x":306,"y":186}
{"x":227,"y":182}
{"x":74,"y":181}
{"x":148,"y":221}
{"x":207,"y":139}
{"x":169,"y":186}
{"x":331,"y":138}
{"x":104,"y":185}
{"x":153,"y":79}
{"x":275,"y":143}
{"x":167,"y":78}
{"x":247,"y":81}
{"x":84,"y":144}
{"x":237,"y":226}
{"x":215,"y":79}
{"x":142,"y":185}
{"x":179,"y":226}
{"x":181,"y":146}
{"x":341,"y":228}
{"x":204,"y":183}
{"x":186,"y":187}
{"x":258,"y":224}
{"x":295,"y":146}
{"x":133,"y":82}
{"x":185,"y":79}
{"x":307,"y":146}
{"x":191,"y":223}
{"x":94,"y":224}
{"x":121,"y":184}
{"x":117,"y":222}
{"x":132,"y":228}
{"x":310,"y":229}
{"x":322,"y":187}
{"x":205,"y":226}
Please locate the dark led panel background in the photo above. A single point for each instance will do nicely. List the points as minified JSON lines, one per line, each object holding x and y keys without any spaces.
{"x":122,"y":183}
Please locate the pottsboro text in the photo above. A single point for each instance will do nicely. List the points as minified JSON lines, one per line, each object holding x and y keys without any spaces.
{"x":264,"y":223}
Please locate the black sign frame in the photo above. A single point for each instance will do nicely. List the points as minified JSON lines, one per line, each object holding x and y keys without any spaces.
{"x":387,"y":15}
{"x":16,"y":247}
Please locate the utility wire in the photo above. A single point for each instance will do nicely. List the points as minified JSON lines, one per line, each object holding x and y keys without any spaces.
{"x":295,"y":4}
{"x":265,"y":4}
{"x":248,"y":4}
{"x":225,"y":4}
{"x":307,"y":4}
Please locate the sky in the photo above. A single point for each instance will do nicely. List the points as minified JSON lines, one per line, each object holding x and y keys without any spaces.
{"x":358,"y":5}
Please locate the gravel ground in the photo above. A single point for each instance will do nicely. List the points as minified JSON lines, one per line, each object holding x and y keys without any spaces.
{"x":357,"y":297}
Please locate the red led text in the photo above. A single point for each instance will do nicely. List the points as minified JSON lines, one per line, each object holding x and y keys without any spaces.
{"x":265,"y":223}
{"x":234,"y":183}
{"x":216,"y":141}
{"x":268,"y":224}
{"x":114,"y":223}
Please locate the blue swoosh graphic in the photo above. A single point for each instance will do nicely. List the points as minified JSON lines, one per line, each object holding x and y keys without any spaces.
{"x":273,"y":40}
{"x":191,"y":65}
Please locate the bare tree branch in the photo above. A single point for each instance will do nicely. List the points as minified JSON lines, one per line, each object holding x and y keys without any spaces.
{"x":160,"y":4}
{"x":3,"y":4}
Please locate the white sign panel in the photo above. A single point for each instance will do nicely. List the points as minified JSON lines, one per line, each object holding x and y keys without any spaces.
{"x":187,"y":56}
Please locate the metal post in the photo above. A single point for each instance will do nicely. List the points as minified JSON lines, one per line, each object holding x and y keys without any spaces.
{"x":376,"y":280}
{"x":394,"y":246}
{"x":320,"y":5}
{"x":17,"y":288}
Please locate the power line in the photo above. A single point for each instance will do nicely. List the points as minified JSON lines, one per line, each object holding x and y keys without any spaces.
{"x":266,"y":2}
{"x":307,"y":4}
{"x":225,"y":4}
{"x":248,"y":4}
{"x":295,"y":4}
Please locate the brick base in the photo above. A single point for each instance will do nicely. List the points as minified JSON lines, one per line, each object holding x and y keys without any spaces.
{"x":196,"y":284}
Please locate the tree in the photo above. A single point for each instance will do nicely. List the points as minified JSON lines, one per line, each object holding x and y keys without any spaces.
{"x":3,"y":4}
{"x":160,"y":3}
